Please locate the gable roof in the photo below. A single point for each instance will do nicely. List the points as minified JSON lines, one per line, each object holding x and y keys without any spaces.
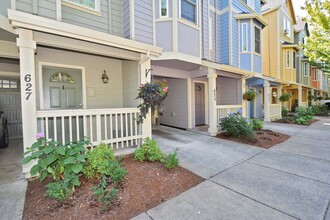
{"x":273,"y":5}
{"x":300,"y":26}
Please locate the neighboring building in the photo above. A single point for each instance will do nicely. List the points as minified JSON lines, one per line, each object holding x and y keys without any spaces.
{"x":78,"y":75}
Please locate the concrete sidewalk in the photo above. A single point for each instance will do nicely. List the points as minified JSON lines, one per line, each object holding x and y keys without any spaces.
{"x":12,"y":181}
{"x":289,"y":181}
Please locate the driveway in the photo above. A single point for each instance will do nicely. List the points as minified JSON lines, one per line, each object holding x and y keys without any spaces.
{"x":289,"y":181}
{"x":12,"y":181}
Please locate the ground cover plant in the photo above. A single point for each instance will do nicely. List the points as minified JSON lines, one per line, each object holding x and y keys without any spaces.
{"x":302,"y":116}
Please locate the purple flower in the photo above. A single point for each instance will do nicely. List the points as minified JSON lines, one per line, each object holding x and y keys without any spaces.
{"x":247,"y":120}
{"x":239,"y":111}
{"x":40,"y":135}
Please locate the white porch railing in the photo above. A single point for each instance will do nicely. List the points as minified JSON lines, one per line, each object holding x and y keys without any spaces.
{"x":275,"y":111}
{"x":304,"y":104}
{"x":224,"y":110}
{"x":117,"y":127}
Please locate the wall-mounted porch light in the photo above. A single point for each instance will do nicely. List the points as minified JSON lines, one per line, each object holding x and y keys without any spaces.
{"x":105,"y":77}
{"x":274,"y":94}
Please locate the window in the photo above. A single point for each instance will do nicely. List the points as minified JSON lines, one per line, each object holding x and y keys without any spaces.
{"x":163,"y":8}
{"x":244,"y":37}
{"x":257,"y":40}
{"x":90,"y":4}
{"x":315,"y":74}
{"x":8,"y":84}
{"x":287,"y":59}
{"x":294,"y":60}
{"x":189,"y":10}
{"x":305,"y":69}
{"x":249,"y":3}
{"x":287,"y":27}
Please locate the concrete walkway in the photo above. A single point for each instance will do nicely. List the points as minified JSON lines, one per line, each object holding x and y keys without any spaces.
{"x":289,"y":181}
{"x":12,"y":181}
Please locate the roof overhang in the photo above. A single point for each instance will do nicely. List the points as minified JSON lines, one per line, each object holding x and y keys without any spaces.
{"x":254,"y":16}
{"x":294,"y":46}
{"x":24,"y":20}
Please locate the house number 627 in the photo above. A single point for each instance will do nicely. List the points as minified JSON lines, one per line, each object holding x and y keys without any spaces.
{"x":28,"y":86}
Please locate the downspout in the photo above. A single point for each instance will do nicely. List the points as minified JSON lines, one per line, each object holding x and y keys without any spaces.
{"x":202,"y":14}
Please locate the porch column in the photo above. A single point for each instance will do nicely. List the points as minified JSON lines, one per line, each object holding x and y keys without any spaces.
{"x":313,"y":94}
{"x":144,"y":67}
{"x":213,"y":121}
{"x":279,"y":94}
{"x":27,"y":47}
{"x":299,"y":96}
{"x":190,"y":107}
{"x":266,"y":101}
{"x":244,"y":102}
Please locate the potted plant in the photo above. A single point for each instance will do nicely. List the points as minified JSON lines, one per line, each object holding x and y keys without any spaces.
{"x":310,"y":97}
{"x":152,"y":95}
{"x":249,"y":95}
{"x":285,"y":97}
{"x":319,"y":98}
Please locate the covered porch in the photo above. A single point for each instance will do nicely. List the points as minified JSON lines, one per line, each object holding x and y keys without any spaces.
{"x":299,"y":96}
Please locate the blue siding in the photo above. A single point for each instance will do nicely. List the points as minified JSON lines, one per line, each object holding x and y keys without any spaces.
{"x":235,"y":42}
{"x":126,"y":21}
{"x":188,"y":40}
{"x":240,"y":7}
{"x":224,"y":38}
{"x":257,"y":64}
{"x":257,"y":6}
{"x":144,"y":21}
{"x":245,"y":61}
{"x":205,"y":30}
{"x":221,"y":4}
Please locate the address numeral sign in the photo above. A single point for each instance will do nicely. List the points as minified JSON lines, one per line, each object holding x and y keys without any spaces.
{"x":28,"y":86}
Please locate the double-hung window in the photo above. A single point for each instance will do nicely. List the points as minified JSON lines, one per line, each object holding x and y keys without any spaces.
{"x":189,"y":10}
{"x":89,"y":4}
{"x":163,"y":8}
{"x":305,"y":68}
{"x":249,"y":3}
{"x":294,"y":60}
{"x":287,"y":63}
{"x":257,"y":40}
{"x":8,"y":84}
{"x":315,"y":75}
{"x":244,"y":37}
{"x":287,"y":27}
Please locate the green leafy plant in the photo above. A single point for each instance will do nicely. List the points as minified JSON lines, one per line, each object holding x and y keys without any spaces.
{"x":149,"y":151}
{"x":319,"y":98}
{"x":104,"y":195}
{"x":304,"y":115}
{"x":249,"y":95}
{"x":285,"y":97}
{"x":257,"y":124}
{"x":285,"y":112}
{"x":172,"y":161}
{"x":321,"y":110}
{"x":152,"y":95}
{"x":301,"y":121}
{"x":61,"y":162}
{"x":311,"y":97}
{"x":237,"y":126}
{"x":56,"y":190}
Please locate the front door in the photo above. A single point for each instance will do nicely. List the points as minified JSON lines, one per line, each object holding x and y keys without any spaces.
{"x":199,"y":104}
{"x":62,"y":88}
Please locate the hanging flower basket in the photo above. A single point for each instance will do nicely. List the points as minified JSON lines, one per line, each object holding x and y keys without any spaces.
{"x":285,"y":97}
{"x":249,"y":95}
{"x":152,"y":95}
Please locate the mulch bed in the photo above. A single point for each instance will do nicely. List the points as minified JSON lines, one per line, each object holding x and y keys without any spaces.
{"x":293,"y":123}
{"x":145,"y":186}
{"x":264,"y":138}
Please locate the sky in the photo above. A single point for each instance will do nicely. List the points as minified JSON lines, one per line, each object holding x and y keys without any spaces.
{"x":297,"y":10}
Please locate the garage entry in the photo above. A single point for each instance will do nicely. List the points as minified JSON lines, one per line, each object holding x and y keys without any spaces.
{"x":10,"y":104}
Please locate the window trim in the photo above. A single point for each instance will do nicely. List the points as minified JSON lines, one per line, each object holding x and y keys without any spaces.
{"x":246,"y":37}
{"x":196,"y":12}
{"x":287,"y":59}
{"x":160,"y":9}
{"x":287,"y":25}
{"x":96,"y":11}
{"x":255,"y":39}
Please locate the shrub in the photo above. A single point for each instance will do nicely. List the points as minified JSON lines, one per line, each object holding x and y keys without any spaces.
{"x":301,"y":121}
{"x":236,"y":126}
{"x":321,"y":110}
{"x":149,"y":151}
{"x":104,"y":195}
{"x":319,"y":98}
{"x":304,"y":112}
{"x":257,"y":124}
{"x":285,"y":97}
{"x":55,"y":190}
{"x":285,"y":112}
{"x":61,"y":162}
{"x":171,"y":160}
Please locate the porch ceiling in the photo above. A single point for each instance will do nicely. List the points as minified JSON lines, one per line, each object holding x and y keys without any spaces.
{"x":254,"y":81}
{"x":7,"y":36}
{"x":176,"y":64}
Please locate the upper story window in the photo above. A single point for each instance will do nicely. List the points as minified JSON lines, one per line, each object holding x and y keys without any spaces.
{"x":286,"y":27}
{"x":189,"y":10}
{"x":257,"y":40}
{"x":305,"y":69}
{"x":163,"y":8}
{"x":315,"y":75}
{"x":324,"y":79}
{"x":89,"y":4}
{"x":294,"y":60}
{"x":287,"y":63}
{"x":249,"y":3}
{"x":8,"y":84}
{"x":244,"y":37}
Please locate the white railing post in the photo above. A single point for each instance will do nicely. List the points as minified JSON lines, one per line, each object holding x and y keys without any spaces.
{"x":266,"y":100}
{"x":213,"y":123}
{"x":27,"y":47}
